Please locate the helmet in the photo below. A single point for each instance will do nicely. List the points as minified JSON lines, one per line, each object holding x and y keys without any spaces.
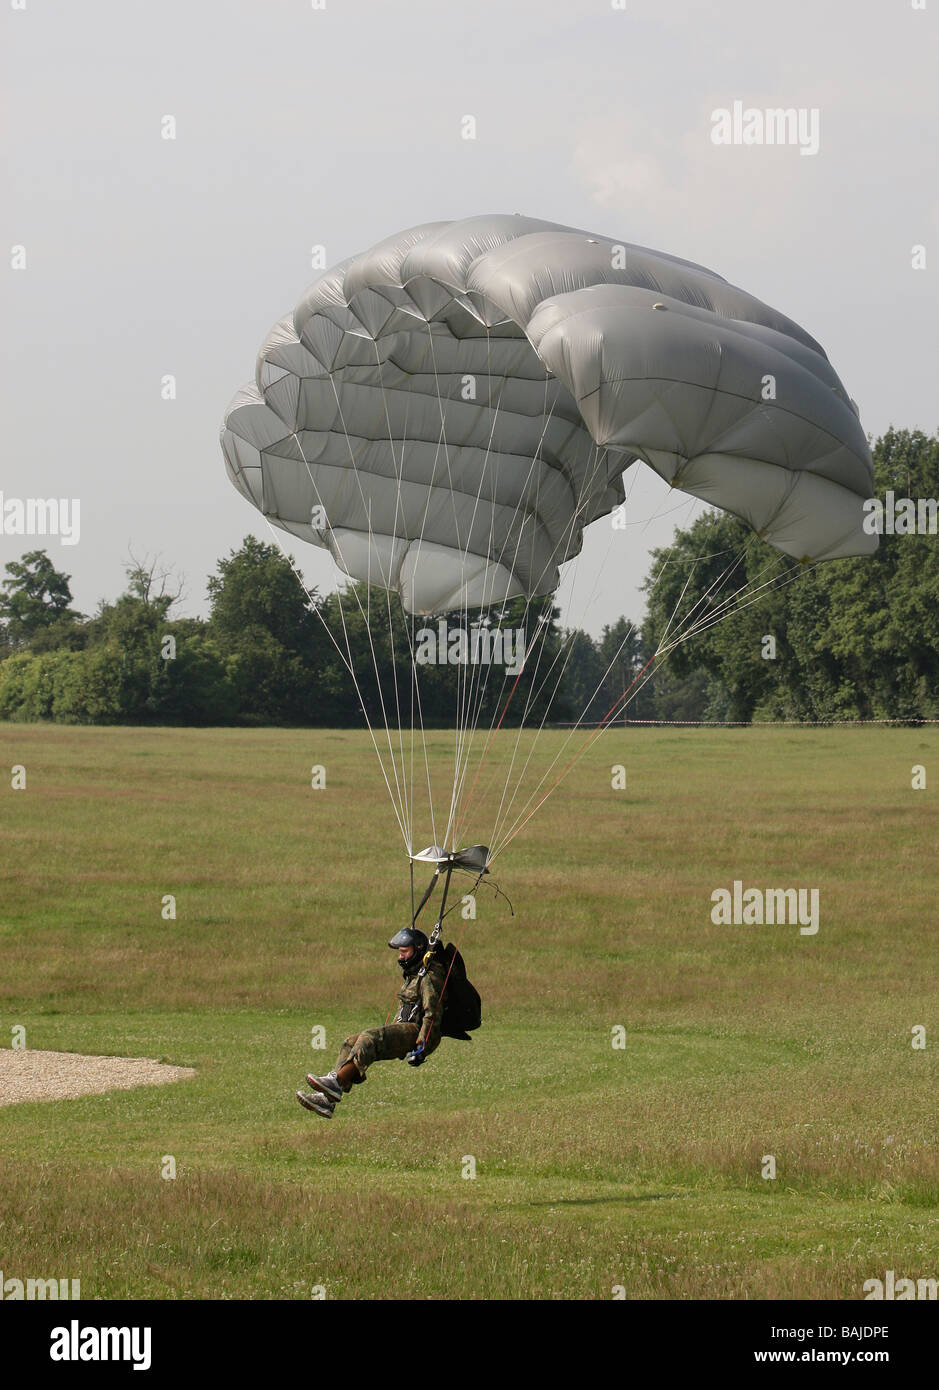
{"x":410,"y":936}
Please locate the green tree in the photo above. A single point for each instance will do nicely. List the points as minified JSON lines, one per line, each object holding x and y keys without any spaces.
{"x":854,"y":638}
{"x":269,"y":636}
{"x":256,"y":587}
{"x":35,"y":599}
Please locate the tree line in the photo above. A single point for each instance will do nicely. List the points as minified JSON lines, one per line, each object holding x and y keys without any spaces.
{"x":852,"y":639}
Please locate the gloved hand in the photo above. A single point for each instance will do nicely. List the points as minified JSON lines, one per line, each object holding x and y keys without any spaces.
{"x":416,"y":1057}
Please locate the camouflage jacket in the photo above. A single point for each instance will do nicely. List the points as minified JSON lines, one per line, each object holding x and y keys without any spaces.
{"x":419,"y":1002}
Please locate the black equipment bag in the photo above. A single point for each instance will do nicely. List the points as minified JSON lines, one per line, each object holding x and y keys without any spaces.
{"x":462,"y":1006}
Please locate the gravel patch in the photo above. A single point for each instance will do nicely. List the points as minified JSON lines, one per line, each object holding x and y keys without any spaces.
{"x":27,"y":1075}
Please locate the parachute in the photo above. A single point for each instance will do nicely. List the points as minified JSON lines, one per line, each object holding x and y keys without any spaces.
{"x":447,"y":412}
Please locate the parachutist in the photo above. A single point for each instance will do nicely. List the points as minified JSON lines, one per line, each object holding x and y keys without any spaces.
{"x":415,"y":1031}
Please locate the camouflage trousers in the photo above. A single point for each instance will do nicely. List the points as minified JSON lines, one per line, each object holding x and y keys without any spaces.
{"x":377,"y":1045}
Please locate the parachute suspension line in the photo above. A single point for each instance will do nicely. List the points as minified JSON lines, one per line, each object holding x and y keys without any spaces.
{"x":533,"y":696}
{"x":474,"y":684}
{"x":496,"y":723}
{"x":416,"y":688}
{"x":460,"y":721}
{"x":503,"y":812}
{"x":386,"y":579}
{"x":349,"y":667}
{"x":398,"y":803}
{"x":542,"y":631}
{"x":619,"y":703}
{"x":548,"y":413}
{"x":637,"y":684}
{"x":529,"y":700}
{"x":415,"y":679}
{"x":540,"y":634}
{"x":470,"y":688}
{"x":407,"y":782}
{"x":523,"y":821}
{"x":599,"y":456}
{"x":409,"y":629}
{"x":408,"y":618}
{"x":456,"y":531}
{"x":749,"y":588}
{"x":483,"y":682}
{"x":723,"y":609}
{"x":471,"y":684}
{"x":570,"y":649}
{"x":774,"y":584}
{"x":446,"y":453}
{"x":470,"y":681}
{"x":568,"y":642}
{"x":441,"y":441}
{"x":504,"y":600}
{"x":468,"y":698}
{"x":548,"y":416}
{"x":789,"y":578}
{"x":416,"y":699}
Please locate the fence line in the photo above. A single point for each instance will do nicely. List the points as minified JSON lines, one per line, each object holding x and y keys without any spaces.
{"x":742,"y":723}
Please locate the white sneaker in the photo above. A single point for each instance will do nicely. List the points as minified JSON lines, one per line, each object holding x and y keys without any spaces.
{"x":328,"y":1084}
{"x":318,"y":1102}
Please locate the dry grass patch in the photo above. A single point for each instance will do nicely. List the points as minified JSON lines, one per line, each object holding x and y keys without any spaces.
{"x":27,"y":1075}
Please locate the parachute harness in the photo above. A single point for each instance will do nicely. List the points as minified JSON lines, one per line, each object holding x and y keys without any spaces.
{"x":435,"y":934}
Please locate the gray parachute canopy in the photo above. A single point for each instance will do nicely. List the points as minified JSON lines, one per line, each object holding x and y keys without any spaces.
{"x":447,"y":411}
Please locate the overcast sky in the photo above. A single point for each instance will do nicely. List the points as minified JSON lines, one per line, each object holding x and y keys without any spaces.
{"x":298,"y":126}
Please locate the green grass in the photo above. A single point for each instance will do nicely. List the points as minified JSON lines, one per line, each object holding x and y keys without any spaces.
{"x":595,"y":1166}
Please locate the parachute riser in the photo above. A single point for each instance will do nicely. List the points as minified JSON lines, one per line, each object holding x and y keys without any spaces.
{"x":423,"y":902}
{"x":435,"y":934}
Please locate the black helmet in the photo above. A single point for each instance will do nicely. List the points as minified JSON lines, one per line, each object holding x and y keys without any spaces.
{"x":410,"y":936}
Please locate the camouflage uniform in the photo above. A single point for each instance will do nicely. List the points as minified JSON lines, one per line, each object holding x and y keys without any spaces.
{"x":417,"y":1021}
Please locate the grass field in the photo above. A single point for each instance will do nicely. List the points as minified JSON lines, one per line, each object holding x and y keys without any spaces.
{"x":596,"y":1167}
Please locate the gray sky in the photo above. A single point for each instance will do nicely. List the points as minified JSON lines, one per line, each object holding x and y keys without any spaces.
{"x":298,"y":126}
